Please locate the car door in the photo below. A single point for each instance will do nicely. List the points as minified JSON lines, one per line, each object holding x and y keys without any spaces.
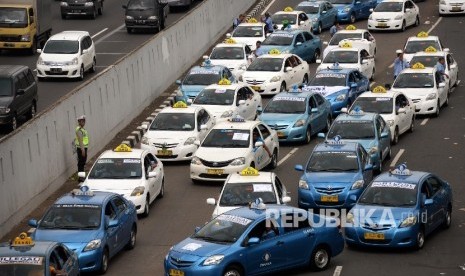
{"x":385,"y":142}
{"x":304,"y":21}
{"x":31,"y":93}
{"x":269,"y":142}
{"x":242,"y":109}
{"x":281,"y":190}
{"x":313,"y":44}
{"x":227,"y":74}
{"x":204,"y":119}
{"x":124,"y":223}
{"x":91,"y":49}
{"x":361,"y":81}
{"x":442,"y":91}
{"x":365,"y":64}
{"x":22,"y":100}
{"x":364,"y":160}
{"x":150,"y":183}
{"x":403,"y":118}
{"x":452,"y":68}
{"x":67,"y":263}
{"x":300,"y":46}
{"x":289,"y":76}
{"x":111,"y":233}
{"x":322,"y":111}
{"x":428,"y":212}
{"x":252,"y":102}
{"x":409,"y":11}
{"x":371,"y":42}
{"x":439,"y":196}
{"x":299,"y":70}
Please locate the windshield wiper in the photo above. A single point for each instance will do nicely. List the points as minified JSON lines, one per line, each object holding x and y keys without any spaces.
{"x":69,"y":227}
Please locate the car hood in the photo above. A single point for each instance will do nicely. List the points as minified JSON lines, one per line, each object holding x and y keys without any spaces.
{"x":119,"y":186}
{"x":323,"y":178}
{"x":259,"y":75}
{"x":385,"y":15}
{"x":5,"y":101}
{"x":65,"y":236}
{"x":341,"y":6}
{"x":221,"y":154}
{"x":57,"y":57}
{"x":250,"y":41}
{"x":230,"y":63}
{"x":324,"y":66}
{"x":282,"y":49}
{"x":170,"y":137}
{"x":416,"y":92}
{"x":381,"y":215}
{"x":272,"y":119}
{"x":193,"y":249}
{"x":218,"y":110}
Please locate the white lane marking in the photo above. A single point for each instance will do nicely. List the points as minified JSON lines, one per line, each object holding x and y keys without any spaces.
{"x":373,"y":83}
{"x":267,"y":7}
{"x":101,"y":66}
{"x":424,"y":121}
{"x":434,"y":26}
{"x":111,"y":53}
{"x":294,"y":150}
{"x":397,"y":157}
{"x":99,"y":33}
{"x":110,"y":33}
{"x":338,"y":270}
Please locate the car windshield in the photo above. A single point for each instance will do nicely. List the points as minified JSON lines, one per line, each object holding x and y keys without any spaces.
{"x":116,"y":168}
{"x":287,"y":105}
{"x":227,"y":138}
{"x":334,"y":161}
{"x":389,"y":7}
{"x":21,"y":266}
{"x":266,"y":64}
{"x":341,"y":57}
{"x":61,"y":47}
{"x":352,"y":130}
{"x":341,"y":2}
{"x":280,"y":18}
{"x":328,"y":79}
{"x":72,"y":216}
{"x":227,"y":53}
{"x":141,"y":5}
{"x":241,"y":194}
{"x":5,"y":87}
{"x":414,"y":46}
{"x":427,"y":61}
{"x":279,"y":39}
{"x":414,"y":80}
{"x":308,"y":9}
{"x":248,"y":31}
{"x":174,"y":122}
{"x":395,"y":194}
{"x":13,"y":17}
{"x":341,"y":36}
{"x":380,"y":105}
{"x":216,"y":97}
{"x":223,"y":229}
{"x":201,"y":78}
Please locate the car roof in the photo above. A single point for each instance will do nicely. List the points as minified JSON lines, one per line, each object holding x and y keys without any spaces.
{"x":135,"y":153}
{"x":97,"y":198}
{"x":289,"y":12}
{"x":387,"y":94}
{"x":432,"y":54}
{"x":394,"y":1}
{"x":429,"y":37}
{"x":262,"y":177}
{"x":39,"y":249}
{"x":345,"y":146}
{"x":340,"y":49}
{"x":309,"y":3}
{"x":254,"y":214}
{"x":230,"y":45}
{"x":187,"y":109}
{"x":69,"y":35}
{"x":236,"y":125}
{"x":360,"y":31}
{"x":425,"y":70}
{"x":296,"y":94}
{"x":349,"y":117}
{"x":9,"y":70}
{"x":414,"y":178}
{"x":293,"y":32}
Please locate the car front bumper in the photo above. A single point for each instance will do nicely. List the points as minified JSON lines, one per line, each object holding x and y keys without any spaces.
{"x":142,"y":24}
{"x":393,"y":237}
{"x":61,"y":71}
{"x":292,"y":134}
{"x":6,"y":118}
{"x":449,"y":9}
{"x":267,"y":88}
{"x":311,"y":199}
{"x":81,"y":10}
{"x":201,"y":172}
{"x":179,"y":153}
{"x":425,"y":107}
{"x":195,"y":269}
{"x":389,"y":25}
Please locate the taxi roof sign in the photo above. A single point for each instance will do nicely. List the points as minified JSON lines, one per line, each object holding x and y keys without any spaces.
{"x":351,"y":28}
{"x":295,"y":89}
{"x":431,"y":49}
{"x":258,"y":204}
{"x":401,"y":170}
{"x":207,"y":62}
{"x":180,"y":104}
{"x":357,"y":111}
{"x":237,"y":119}
{"x":252,"y":20}
{"x":229,"y":41}
{"x":274,"y":52}
{"x":418,"y":65}
{"x":336,"y":141}
{"x":345,"y":44}
{"x":249,"y":171}
{"x":422,"y":34}
{"x":123,"y":148}
{"x":224,"y":81}
{"x":22,"y":240}
{"x":379,"y":89}
{"x":82,"y":191}
{"x":288,"y":9}
{"x":335,"y":66}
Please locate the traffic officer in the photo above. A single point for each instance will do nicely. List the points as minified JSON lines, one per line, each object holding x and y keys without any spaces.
{"x":400,"y":63}
{"x":441,"y":68}
{"x":268,"y":22}
{"x":82,"y":142}
{"x":238,"y":20}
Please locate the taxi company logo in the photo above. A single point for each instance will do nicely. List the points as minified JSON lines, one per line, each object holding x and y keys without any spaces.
{"x":267,"y":257}
{"x":374,"y":226}
{"x":329,"y":187}
{"x":254,"y":82}
{"x":215,"y":164}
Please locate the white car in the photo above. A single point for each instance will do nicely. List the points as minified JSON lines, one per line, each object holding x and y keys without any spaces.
{"x":394,"y":106}
{"x":228,"y":101}
{"x":425,"y":87}
{"x":273,"y":73}
{"x":394,"y":15}
{"x":235,"y":56}
{"x":295,"y":19}
{"x":349,"y":57}
{"x":242,"y":188}
{"x":249,"y":34}
{"x":232,"y":146}
{"x":175,"y":129}
{"x":451,"y":7}
{"x":67,"y":54}
{"x":421,"y":42}
{"x":360,"y":38}
{"x":430,"y":59}
{"x":134,"y":173}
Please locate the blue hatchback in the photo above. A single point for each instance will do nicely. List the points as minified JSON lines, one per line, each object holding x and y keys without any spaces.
{"x":296,"y":116}
{"x":339,"y":86}
{"x":95,"y":225}
{"x":353,"y":10}
{"x":399,"y":209}
{"x":322,"y":13}
{"x":255,"y":241}
{"x":335,"y":175}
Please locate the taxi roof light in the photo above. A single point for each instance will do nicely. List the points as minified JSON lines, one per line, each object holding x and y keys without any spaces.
{"x":401,"y":170}
{"x":237,"y":119}
{"x":379,"y":89}
{"x":230,"y":41}
{"x":180,"y":104}
{"x":345,"y":44}
{"x":207,"y":62}
{"x":123,"y":148}
{"x":422,"y":34}
{"x":249,"y":171}
{"x":274,"y":52}
{"x":288,"y":9}
{"x":431,"y":49}
{"x":418,"y":65}
{"x":252,"y":20}
{"x":22,"y":240}
{"x":224,"y":81}
{"x":82,"y":191}
{"x":351,"y":28}
{"x":258,"y":204}
{"x":295,"y":89}
{"x":335,"y":66}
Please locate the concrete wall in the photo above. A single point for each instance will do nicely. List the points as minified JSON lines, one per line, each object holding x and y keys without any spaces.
{"x":38,"y":158}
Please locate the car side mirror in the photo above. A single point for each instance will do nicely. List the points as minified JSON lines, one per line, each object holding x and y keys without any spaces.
{"x":81,"y":174}
{"x":197,"y":229}
{"x":286,"y":199}
{"x":428,"y":201}
{"x":323,"y":12}
{"x":353,"y":198}
{"x":178,"y":82}
{"x":258,"y":144}
{"x":314,"y":110}
{"x":301,"y":22}
{"x":357,"y":3}
{"x":371,"y":10}
{"x":197,"y":143}
{"x":124,"y":7}
{"x":152,"y":174}
{"x":203,"y":127}
{"x":325,"y":43}
{"x":368,"y":167}
{"x":189,"y":101}
{"x":298,"y":43}
{"x":145,"y":127}
{"x":353,"y":85}
{"x":384,"y":135}
{"x":241,"y":102}
{"x":211,"y":201}
{"x":318,"y":61}
{"x":32,"y":223}
{"x":113,"y":223}
{"x":321,"y":135}
{"x":20,"y":92}
{"x":407,"y":10}
{"x":287,"y":69}
{"x":84,"y":51}
{"x":442,"y":85}
{"x":259,"y":110}
{"x":39,"y":51}
{"x":401,"y":110}
{"x":299,"y":168}
{"x":344,"y":110}
{"x":446,"y":50}
{"x":253,"y":241}
{"x":364,"y":61}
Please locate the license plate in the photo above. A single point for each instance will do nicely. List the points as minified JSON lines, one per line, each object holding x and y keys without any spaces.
{"x":331,"y":198}
{"x":373,"y":236}
{"x":76,"y":11}
{"x":256,"y":88}
{"x":164,"y":152}
{"x":382,"y":24}
{"x":8,"y":44}
{"x":55,"y":70}
{"x":456,"y":9}
{"x":280,"y":134}
{"x":175,"y":272}
{"x":215,"y":171}
{"x":140,"y":21}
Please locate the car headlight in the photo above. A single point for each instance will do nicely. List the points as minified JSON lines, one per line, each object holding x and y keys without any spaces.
{"x":26,"y":37}
{"x":431,"y":96}
{"x":275,"y":79}
{"x":196,"y":161}
{"x":238,"y":161}
{"x":92,"y":245}
{"x":128,"y":17}
{"x":40,"y":61}
{"x":410,"y":221}
{"x":243,"y":67}
{"x":190,"y":141}
{"x":299,"y":123}
{"x":138,"y":191}
{"x":347,"y":9}
{"x":145,"y":140}
{"x":370,"y":17}
{"x":399,"y":17}
{"x":357,"y":185}
{"x":303,"y":185}
{"x":153,"y":17}
{"x":64,"y":4}
{"x":390,"y":122}
{"x":89,"y":4}
{"x":341,"y":97}
{"x":241,"y":79}
{"x":373,"y":150}
{"x":74,"y":61}
{"x":4,"y":110}
{"x":213,"y":260}
{"x":227,"y":114}
{"x":350,"y":218}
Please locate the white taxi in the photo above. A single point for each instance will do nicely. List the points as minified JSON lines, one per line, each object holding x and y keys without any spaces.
{"x":231,"y":54}
{"x":275,"y":72}
{"x":428,"y":90}
{"x":347,"y":56}
{"x":294,"y":19}
{"x":360,"y":38}
{"x":246,"y":186}
{"x":421,"y":42}
{"x":394,"y":15}
{"x":447,"y":7}
{"x":134,"y":173}
{"x":175,"y":129}
{"x":394,"y":106}
{"x":249,"y":33}
{"x":232,"y":146}
{"x":429,"y":58}
{"x":225,"y":100}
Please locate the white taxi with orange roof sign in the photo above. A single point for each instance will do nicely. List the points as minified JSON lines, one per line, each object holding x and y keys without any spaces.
{"x":394,"y":106}
{"x":175,"y":129}
{"x":136,"y":174}
{"x":420,"y":42}
{"x":244,"y":187}
{"x":232,"y":54}
{"x":360,"y":38}
{"x":232,"y":146}
{"x":293,"y":19}
{"x":249,"y":33}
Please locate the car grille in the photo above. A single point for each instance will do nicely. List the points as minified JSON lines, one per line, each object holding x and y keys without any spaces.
{"x":215,"y":164}
{"x":53,"y":63}
{"x":10,"y":38}
{"x":62,"y":73}
{"x":180,"y":263}
{"x":378,"y":227}
{"x":416,"y":100}
{"x":329,"y":191}
{"x":278,"y":127}
{"x":76,"y":4}
{"x":382,"y":20}
{"x":167,"y":156}
{"x":456,"y":4}
{"x":254,"y":82}
{"x":213,"y":176}
{"x":166,"y":146}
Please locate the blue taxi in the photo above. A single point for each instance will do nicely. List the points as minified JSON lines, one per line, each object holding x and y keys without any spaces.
{"x":25,"y":257}
{"x":200,"y":77}
{"x":95,"y":225}
{"x":298,"y":42}
{"x":399,"y":209}
{"x":353,"y":10}
{"x":339,"y":86}
{"x":297,"y":115}
{"x":322,"y":13}
{"x":257,"y":240}
{"x":335,"y":175}
{"x":368,"y":129}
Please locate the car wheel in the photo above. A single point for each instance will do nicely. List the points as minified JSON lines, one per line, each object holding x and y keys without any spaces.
{"x":395,"y":139}
{"x":100,"y":10}
{"x":33,"y":49}
{"x":63,"y":16}
{"x":283,"y":87}
{"x":129,"y":30}
{"x":94,"y":13}
{"x":403,"y":26}
{"x":420,"y":242}
{"x":417,"y":21}
{"x":328,"y":124}
{"x":308,"y":135}
{"x":412,"y":125}
{"x":81,"y":73}
{"x":93,"y":68}
{"x":447,"y":218}
{"x":32,"y":111}
{"x":14,"y":123}
{"x":320,"y":28}
{"x":162,"y":189}
{"x":389,"y":155}
{"x":305,"y":80}
{"x":320,"y":259}
{"x":372,"y":78}
{"x":446,"y":103}
{"x":233,"y":271}
{"x":316,"y":55}
{"x":438,"y":110}
{"x":132,"y":239}
{"x":147,"y":206}
{"x":274,"y":160}
{"x":352,"y":18}
{"x":104,"y":262}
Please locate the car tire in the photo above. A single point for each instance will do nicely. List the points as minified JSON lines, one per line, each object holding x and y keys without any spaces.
{"x":417,"y":21}
{"x":94,"y":14}
{"x":233,"y":270}
{"x":447,"y":218}
{"x":420,"y":240}
{"x":316,"y":55}
{"x":320,"y":258}
{"x":308,"y":135}
{"x":129,"y":30}
{"x":283,"y":87}
{"x":395,"y":139}
{"x":438,"y":110}
{"x":328,"y":124}
{"x":320,"y":28}
{"x":352,"y":18}
{"x":81,"y":73}
{"x":33,"y":49}
{"x":446,"y":103}
{"x":305,"y":80}
{"x":63,"y":16}
{"x":412,"y":125}
{"x":93,"y":68}
{"x":162,"y":189}
{"x":132,"y":239}
{"x":274,"y":160}
{"x":104,"y":262}
{"x":372,"y":78}
{"x":100,"y":10}
{"x":14,"y":123}
{"x":146,"y":207}
{"x":32,"y":110}
{"x":196,"y":181}
{"x":404,"y":26}
{"x":389,"y":155}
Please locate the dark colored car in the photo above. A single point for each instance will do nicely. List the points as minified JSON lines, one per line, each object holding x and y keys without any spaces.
{"x":145,"y":14}
{"x":81,"y":7}
{"x":18,"y":94}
